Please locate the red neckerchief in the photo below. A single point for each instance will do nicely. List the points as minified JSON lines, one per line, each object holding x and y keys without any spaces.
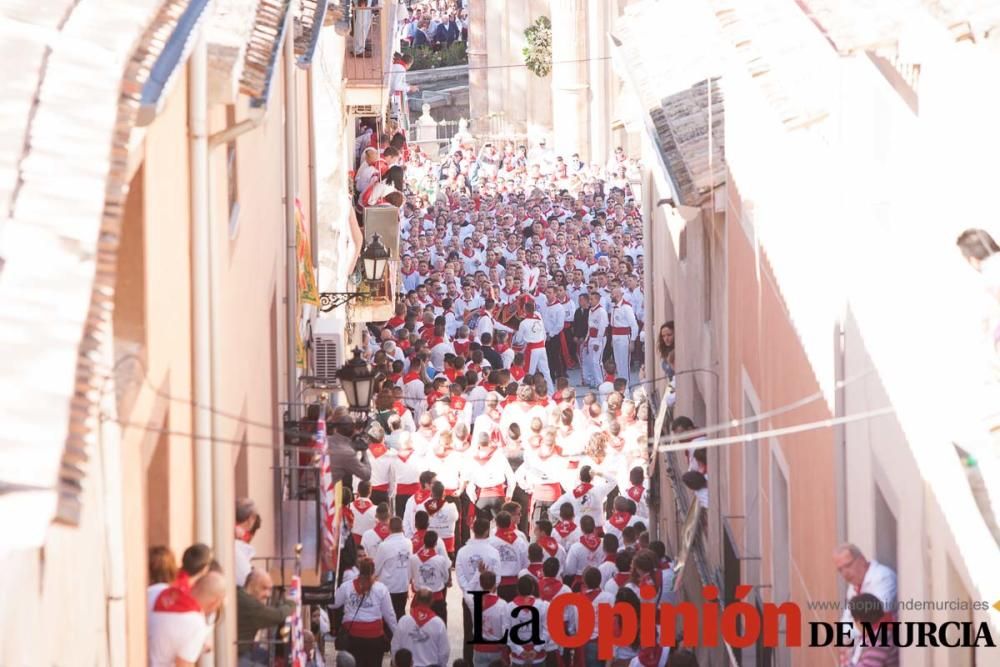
{"x":608,"y":377}
{"x":543,"y":401}
{"x":396,"y":377}
{"x":489,"y":386}
{"x":592,"y":593}
{"x":517,"y":373}
{"x":565,"y":528}
{"x":182,"y":581}
{"x":433,"y":397}
{"x":421,"y":614}
{"x":400,"y":408}
{"x":395,"y":322}
{"x":489,"y":600}
{"x":451,"y":373}
{"x":620,"y":519}
{"x":535,"y":569}
{"x":435,"y":340}
{"x":590,"y":541}
{"x":622,"y":578}
{"x":418,"y":541}
{"x":507,"y":535}
{"x":548,"y":587}
{"x":425,"y":554}
{"x":549,"y":544}
{"x":524,"y":601}
{"x":468,"y":252}
{"x":635,"y":492}
{"x":461,"y":347}
{"x":508,"y":401}
{"x":457,"y":403}
{"x":404,"y":456}
{"x":175,"y":599}
{"x":382,"y":530}
{"x":377,"y":449}
{"x":432,"y":506}
{"x":650,"y":656}
{"x":501,"y":348}
{"x":410,"y":377}
{"x":421,"y":496}
{"x":362,"y":505}
{"x":582,"y":489}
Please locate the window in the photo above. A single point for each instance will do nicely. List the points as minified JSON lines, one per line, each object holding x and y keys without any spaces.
{"x":885,"y":530}
{"x":232,"y":174}
{"x":780,"y":549}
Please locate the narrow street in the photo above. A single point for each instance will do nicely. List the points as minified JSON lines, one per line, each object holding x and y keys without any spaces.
{"x":317,"y":315}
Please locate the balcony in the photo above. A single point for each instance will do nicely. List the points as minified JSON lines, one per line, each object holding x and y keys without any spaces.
{"x":366,"y":72}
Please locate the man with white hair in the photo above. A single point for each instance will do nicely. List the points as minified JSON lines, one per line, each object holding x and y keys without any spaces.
{"x":863,"y":576}
{"x":367,"y":173}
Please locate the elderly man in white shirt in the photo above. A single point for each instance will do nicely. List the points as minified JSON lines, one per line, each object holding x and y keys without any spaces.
{"x":864,"y":576}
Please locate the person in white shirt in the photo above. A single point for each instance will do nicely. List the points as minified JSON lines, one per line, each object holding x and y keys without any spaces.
{"x":637,"y":491}
{"x":597,"y":324}
{"x":380,"y":458}
{"x":372,"y":538}
{"x":495,"y":617}
{"x":430,"y":569}
{"x":587,"y":497}
{"x":590,"y":588}
{"x":624,"y":330}
{"x":442,"y":516}
{"x":360,"y":512}
{"x":531,"y":332}
{"x":475,"y":558}
{"x":177,"y":629}
{"x":392,"y":564}
{"x":524,"y":654}
{"x":864,"y":576}
{"x":366,"y":614}
{"x":423,"y":633}
{"x":490,"y":479}
{"x":414,"y":394}
{"x":622,"y":517}
{"x":367,"y":173}
{"x":246,"y":526}
{"x":513,"y":550}
{"x":585,"y":553}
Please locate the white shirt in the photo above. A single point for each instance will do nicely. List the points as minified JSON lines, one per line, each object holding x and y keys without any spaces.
{"x":392,"y":562}
{"x":432,"y":573}
{"x":365,"y":607}
{"x":173,"y":635}
{"x":428,"y":642}
{"x":152,"y":592}
{"x":470,"y":556}
{"x":880,"y":581}
{"x":242,"y":553}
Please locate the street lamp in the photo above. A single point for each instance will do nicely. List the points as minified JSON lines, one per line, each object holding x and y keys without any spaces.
{"x":374,"y":260}
{"x":357,"y":380}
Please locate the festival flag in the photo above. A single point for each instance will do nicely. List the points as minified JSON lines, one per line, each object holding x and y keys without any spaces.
{"x":308,"y":291}
{"x":297,"y":651}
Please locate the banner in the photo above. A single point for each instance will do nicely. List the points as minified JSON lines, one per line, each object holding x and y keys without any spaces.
{"x":308,"y":291}
{"x":297,"y":649}
{"x":330,"y":500}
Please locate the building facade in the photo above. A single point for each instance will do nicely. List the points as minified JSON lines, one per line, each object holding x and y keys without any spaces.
{"x":197,"y":201}
{"x":831,"y":245}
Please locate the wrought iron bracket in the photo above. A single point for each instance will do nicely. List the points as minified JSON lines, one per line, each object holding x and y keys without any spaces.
{"x":332,"y":300}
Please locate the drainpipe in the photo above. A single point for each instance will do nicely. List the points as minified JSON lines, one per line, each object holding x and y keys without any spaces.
{"x":201,"y":251}
{"x":313,"y":198}
{"x":291,"y":254}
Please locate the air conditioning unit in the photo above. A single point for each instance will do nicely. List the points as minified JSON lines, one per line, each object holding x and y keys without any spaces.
{"x":328,"y":348}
